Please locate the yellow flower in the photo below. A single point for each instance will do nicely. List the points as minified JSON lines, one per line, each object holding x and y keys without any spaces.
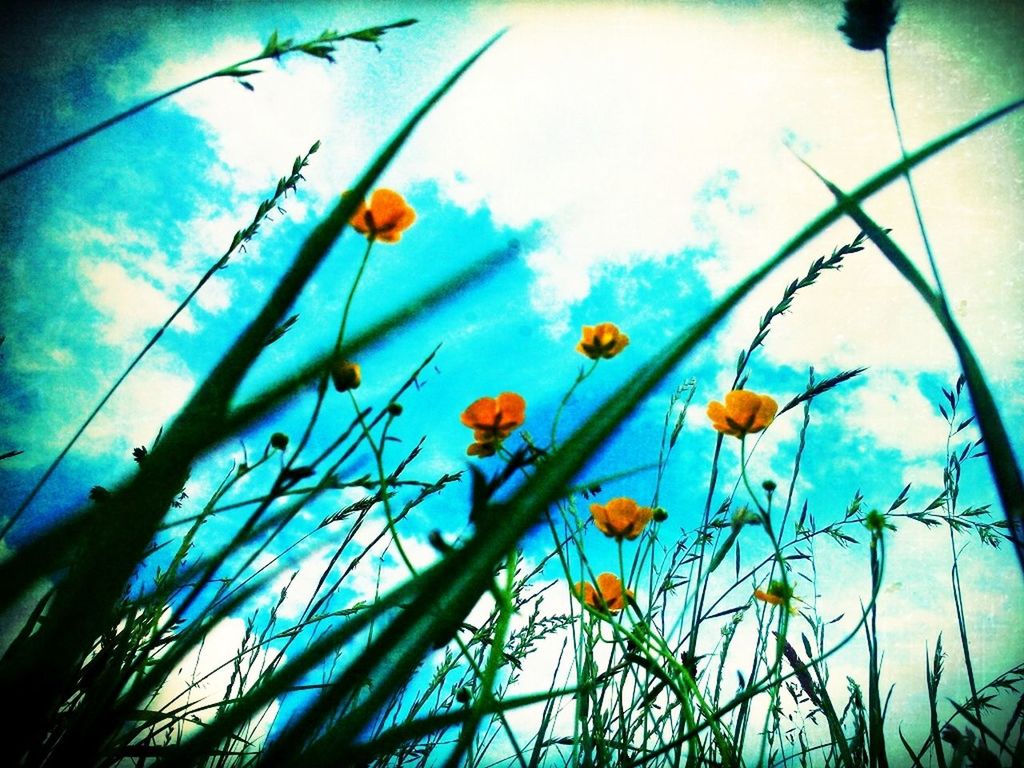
{"x":492,"y":420}
{"x":621,"y":518}
{"x":744,"y":413}
{"x":602,"y":340}
{"x":386,"y":219}
{"x":346,"y":375}
{"x":609,"y":594}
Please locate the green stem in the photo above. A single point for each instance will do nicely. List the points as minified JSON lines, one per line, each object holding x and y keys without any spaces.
{"x":234,"y":70}
{"x":325,"y":375}
{"x":910,"y":184}
{"x":580,"y":378}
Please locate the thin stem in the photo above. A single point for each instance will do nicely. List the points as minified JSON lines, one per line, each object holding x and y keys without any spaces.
{"x":319,"y":47}
{"x":321,"y":389}
{"x":910,"y":184}
{"x":580,"y":378}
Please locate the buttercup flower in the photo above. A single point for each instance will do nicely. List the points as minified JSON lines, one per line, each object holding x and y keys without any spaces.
{"x":778,"y":593}
{"x":621,"y":518}
{"x":346,"y":375}
{"x":609,"y":594}
{"x":386,"y":219}
{"x":744,"y":413}
{"x":602,"y":340}
{"x":492,"y":420}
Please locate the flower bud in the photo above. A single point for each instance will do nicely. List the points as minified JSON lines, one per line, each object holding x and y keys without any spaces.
{"x":660,"y":515}
{"x":279,"y":441}
{"x":395,"y":409}
{"x":346,"y":375}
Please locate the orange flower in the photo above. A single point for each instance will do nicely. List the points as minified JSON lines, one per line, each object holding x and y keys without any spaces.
{"x":386,"y":219}
{"x":778,"y":593}
{"x":346,"y":375}
{"x":768,"y":597}
{"x":744,"y":413}
{"x":602,"y":340}
{"x":609,"y":594}
{"x":492,"y":420}
{"x":621,"y":518}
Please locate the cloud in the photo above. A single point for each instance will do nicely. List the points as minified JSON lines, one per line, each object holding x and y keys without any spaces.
{"x":145,"y":403}
{"x":133,"y":306}
{"x":890,"y":407}
{"x":256,"y":135}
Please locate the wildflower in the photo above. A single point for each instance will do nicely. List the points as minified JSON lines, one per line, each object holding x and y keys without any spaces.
{"x":346,"y":375}
{"x":602,"y":340}
{"x":867,"y":23}
{"x":492,"y":420}
{"x":744,"y":413}
{"x":386,"y":219}
{"x":778,"y":593}
{"x":621,"y":518}
{"x":609,"y":594}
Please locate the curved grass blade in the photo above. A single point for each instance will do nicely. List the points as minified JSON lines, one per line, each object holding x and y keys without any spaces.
{"x":1001,"y":460}
{"x":455,"y":584}
{"x":46,"y":552}
{"x":102,"y":564}
{"x":241,"y":237}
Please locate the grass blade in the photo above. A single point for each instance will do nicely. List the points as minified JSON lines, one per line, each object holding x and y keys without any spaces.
{"x":457,"y":582}
{"x":84,"y":601}
{"x":1005,"y":470}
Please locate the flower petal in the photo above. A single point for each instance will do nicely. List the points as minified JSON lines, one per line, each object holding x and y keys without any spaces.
{"x":512,"y":408}
{"x":480,"y":414}
{"x":765,"y":413}
{"x":742,"y":406}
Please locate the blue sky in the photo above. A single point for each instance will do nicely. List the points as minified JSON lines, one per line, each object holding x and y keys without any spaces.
{"x":636,"y":154}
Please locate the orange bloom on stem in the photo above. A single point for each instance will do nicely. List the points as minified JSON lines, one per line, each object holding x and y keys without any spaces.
{"x":621,"y":518}
{"x":386,"y":219}
{"x":602,"y":340}
{"x":492,"y":420}
{"x":778,"y":593}
{"x":768,"y":597}
{"x":744,"y":413}
{"x":609,"y":594}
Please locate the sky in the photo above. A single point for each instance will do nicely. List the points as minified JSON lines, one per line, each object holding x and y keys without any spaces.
{"x":641,"y":156}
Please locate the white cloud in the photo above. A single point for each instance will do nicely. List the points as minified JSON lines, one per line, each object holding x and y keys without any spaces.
{"x":923,"y":474}
{"x":256,"y":135}
{"x":146,"y":402}
{"x":890,"y":409}
{"x":133,"y":306}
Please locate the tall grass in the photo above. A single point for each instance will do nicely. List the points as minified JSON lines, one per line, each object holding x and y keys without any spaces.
{"x":107,"y":671}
